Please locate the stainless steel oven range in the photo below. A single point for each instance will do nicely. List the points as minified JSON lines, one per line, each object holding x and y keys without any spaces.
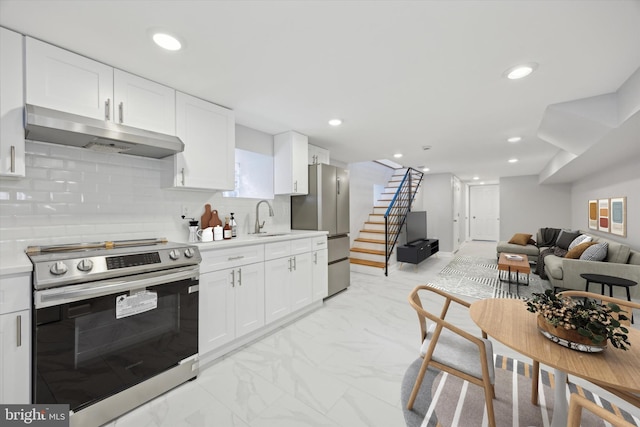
{"x":115,"y":324}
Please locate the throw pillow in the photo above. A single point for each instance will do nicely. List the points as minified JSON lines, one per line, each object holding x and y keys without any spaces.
{"x":583,"y":238}
{"x":520,"y":239}
{"x":578,"y":250}
{"x":565,"y":238}
{"x":597,"y":252}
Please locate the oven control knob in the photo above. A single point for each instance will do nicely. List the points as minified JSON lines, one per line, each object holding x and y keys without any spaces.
{"x":189,"y":252}
{"x":59,"y":268}
{"x":85,"y":265}
{"x":174,"y":254}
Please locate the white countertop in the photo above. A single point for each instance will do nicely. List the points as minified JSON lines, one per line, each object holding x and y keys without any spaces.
{"x":18,"y":262}
{"x":14,"y":263}
{"x":253,"y":239}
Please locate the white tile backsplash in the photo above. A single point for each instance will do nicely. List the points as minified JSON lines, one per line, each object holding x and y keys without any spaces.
{"x":73,"y":194}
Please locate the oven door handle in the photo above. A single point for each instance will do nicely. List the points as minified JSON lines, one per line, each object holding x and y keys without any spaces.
{"x":72,"y":293}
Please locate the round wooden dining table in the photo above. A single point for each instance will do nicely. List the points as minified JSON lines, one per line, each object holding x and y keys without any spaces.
{"x":615,"y":370}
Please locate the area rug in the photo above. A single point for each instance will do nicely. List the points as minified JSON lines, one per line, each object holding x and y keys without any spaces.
{"x":447,"y":401}
{"x":478,"y":278}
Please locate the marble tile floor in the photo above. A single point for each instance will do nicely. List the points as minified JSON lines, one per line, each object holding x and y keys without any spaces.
{"x":342,"y":365}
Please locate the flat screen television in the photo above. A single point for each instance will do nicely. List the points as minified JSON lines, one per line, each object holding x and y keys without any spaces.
{"x":416,"y":226}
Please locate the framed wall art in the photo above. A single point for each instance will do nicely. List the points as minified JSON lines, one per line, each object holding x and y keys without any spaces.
{"x":618,"y":216}
{"x":593,"y":214}
{"x":603,"y":215}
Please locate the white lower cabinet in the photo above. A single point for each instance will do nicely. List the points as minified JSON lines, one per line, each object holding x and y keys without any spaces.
{"x":288,"y":282}
{"x":320,"y":274}
{"x":15,"y":356}
{"x":245,"y":290}
{"x":231,"y":304}
{"x":15,"y":339}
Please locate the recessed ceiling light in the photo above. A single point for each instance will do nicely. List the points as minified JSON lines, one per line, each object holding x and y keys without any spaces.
{"x":335,"y":122}
{"x":167,"y":41}
{"x":513,"y":160}
{"x":475,"y":178}
{"x":425,"y":169}
{"x":397,"y":155}
{"x":482,"y":183}
{"x":520,"y":71}
{"x":515,"y":139}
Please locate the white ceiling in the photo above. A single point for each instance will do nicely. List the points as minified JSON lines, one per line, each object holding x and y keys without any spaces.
{"x":401,"y":74}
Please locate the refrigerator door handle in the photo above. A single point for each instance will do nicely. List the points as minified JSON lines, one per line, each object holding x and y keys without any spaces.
{"x":338,"y":185}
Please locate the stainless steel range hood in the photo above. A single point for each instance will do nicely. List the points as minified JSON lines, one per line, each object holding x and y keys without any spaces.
{"x":58,"y":127}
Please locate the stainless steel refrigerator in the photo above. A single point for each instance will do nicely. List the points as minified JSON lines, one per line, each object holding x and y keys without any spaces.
{"x":326,"y":207}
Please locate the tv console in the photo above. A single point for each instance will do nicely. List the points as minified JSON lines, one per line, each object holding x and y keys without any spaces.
{"x":416,"y":252}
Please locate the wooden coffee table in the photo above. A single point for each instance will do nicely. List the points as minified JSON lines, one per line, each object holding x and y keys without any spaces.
{"x":516,"y":266}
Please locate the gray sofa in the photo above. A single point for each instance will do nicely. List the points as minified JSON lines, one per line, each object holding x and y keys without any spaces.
{"x":621,"y":261}
{"x":531,"y":251}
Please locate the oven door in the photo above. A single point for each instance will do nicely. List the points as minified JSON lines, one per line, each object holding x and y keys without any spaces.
{"x":94,"y":340}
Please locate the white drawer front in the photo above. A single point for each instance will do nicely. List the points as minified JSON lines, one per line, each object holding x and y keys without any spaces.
{"x":276,"y":250}
{"x":318,"y":243}
{"x":15,"y":293}
{"x":219,"y":259}
{"x":300,"y":246}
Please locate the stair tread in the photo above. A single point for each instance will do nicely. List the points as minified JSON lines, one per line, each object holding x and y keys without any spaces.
{"x":360,"y":239}
{"x":364,"y":230}
{"x":381,"y":222}
{"x":366,"y":262}
{"x":368,"y":251}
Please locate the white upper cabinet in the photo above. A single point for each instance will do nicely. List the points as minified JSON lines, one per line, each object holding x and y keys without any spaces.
{"x":11,"y":105}
{"x":143,"y":104}
{"x":208,"y":133}
{"x":318,"y":155}
{"x":61,"y":80}
{"x":290,"y":156}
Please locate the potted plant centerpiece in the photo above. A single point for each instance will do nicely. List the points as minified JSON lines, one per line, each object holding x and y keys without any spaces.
{"x":579,"y":323}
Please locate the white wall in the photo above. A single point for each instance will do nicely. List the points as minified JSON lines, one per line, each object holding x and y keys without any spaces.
{"x":437,"y":196}
{"x":526,"y":206}
{"x":623,"y":180}
{"x":73,"y":194}
{"x":362,"y":178}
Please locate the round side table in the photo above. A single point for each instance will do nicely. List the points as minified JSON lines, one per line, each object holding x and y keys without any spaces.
{"x":609,"y":281}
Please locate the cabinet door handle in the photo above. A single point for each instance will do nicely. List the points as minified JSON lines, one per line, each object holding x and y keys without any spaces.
{"x":19,"y":331}
{"x":121,"y":112}
{"x":182,"y":172}
{"x":13,"y":159}
{"x":233,"y":278}
{"x":239,"y":277}
{"x":107,"y":109}
{"x":315,"y":257}
{"x":289,"y":264}
{"x":338,"y":184}
{"x":295,"y":186}
{"x":295,"y":264}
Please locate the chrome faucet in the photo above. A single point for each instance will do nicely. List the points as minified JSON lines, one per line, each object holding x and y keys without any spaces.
{"x":258,"y":227}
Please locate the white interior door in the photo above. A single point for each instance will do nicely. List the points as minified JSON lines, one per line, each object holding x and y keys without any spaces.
{"x":457,"y":198}
{"x":484,"y":201}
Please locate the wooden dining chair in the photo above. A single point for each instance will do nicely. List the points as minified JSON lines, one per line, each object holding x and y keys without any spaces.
{"x":577,"y":403}
{"x":625,"y":305}
{"x":451,"y":349}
